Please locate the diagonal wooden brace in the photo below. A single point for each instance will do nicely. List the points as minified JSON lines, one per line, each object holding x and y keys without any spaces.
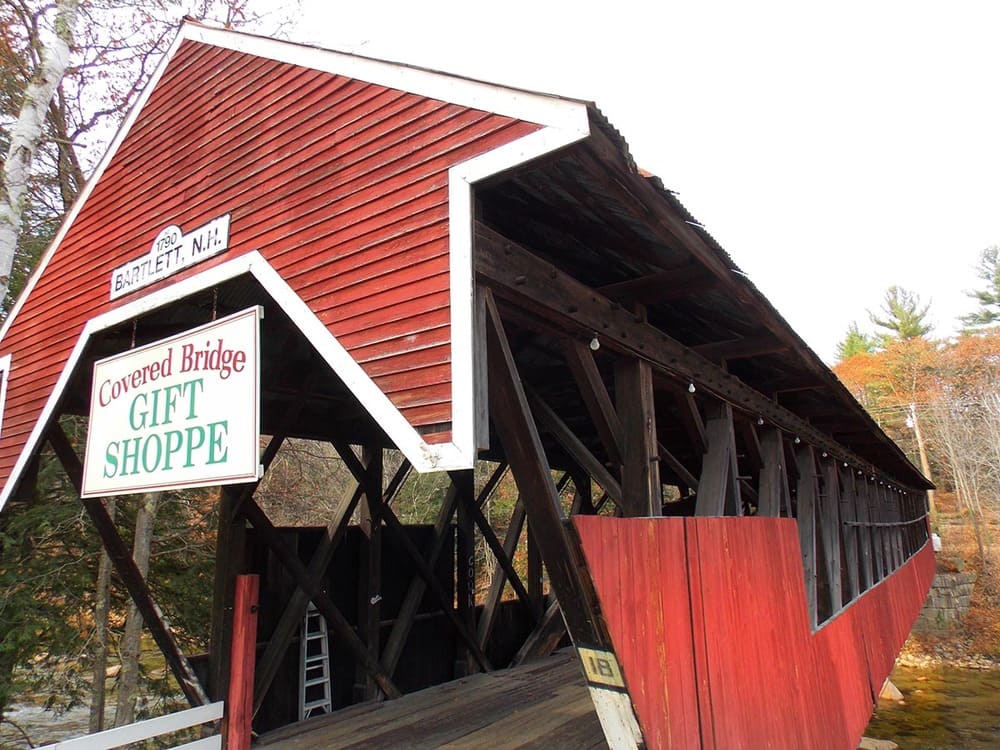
{"x":125,"y":566}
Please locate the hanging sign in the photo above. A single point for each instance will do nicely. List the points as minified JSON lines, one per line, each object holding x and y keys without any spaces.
{"x":181,"y":412}
{"x":171,"y":251}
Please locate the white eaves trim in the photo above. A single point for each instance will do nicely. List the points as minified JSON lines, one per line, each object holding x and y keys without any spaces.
{"x":519,"y":104}
{"x":5,"y":361}
{"x":461,"y":178}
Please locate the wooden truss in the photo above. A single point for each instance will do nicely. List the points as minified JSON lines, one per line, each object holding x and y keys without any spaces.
{"x":638,"y":424}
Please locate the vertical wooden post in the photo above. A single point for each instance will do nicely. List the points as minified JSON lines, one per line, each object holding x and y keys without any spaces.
{"x":583,"y":497}
{"x":864,"y":530}
{"x":874,"y":516}
{"x":832,"y":532}
{"x":773,"y":494}
{"x":890,"y":531}
{"x":239,"y":704}
{"x":230,"y":543}
{"x":465,"y":562}
{"x":884,"y":517}
{"x":370,"y":571}
{"x":892,"y":500}
{"x":900,"y":507}
{"x":851,"y":532}
{"x":642,"y":494}
{"x":805,"y":514}
{"x":718,"y":488}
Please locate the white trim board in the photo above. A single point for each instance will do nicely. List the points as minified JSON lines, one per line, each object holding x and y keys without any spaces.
{"x":5,"y":363}
{"x":544,"y":109}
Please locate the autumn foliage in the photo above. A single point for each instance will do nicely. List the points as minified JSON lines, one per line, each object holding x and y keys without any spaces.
{"x":950,"y":390}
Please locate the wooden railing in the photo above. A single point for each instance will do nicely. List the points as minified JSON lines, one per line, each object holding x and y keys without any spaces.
{"x":237,"y":726}
{"x":145,"y":730}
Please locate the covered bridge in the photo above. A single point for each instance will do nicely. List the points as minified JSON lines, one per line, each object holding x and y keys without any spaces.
{"x":470,"y":273}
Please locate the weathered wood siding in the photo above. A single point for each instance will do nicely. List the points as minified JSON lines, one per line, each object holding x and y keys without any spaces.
{"x":709,"y":622}
{"x":342,"y":185}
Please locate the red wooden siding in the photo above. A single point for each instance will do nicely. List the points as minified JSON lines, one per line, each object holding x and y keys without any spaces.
{"x":709,"y":622}
{"x":342,"y":185}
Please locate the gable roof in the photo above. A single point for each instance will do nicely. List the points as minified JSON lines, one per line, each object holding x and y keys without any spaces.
{"x":349,"y":186}
{"x":347,"y":182}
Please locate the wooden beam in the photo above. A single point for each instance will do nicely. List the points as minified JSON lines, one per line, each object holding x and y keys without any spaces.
{"x":229,"y":559}
{"x":662,"y":286}
{"x":793,"y":383}
{"x":536,"y":571}
{"x":314,"y":588}
{"x":807,"y":492}
{"x":774,"y":498}
{"x":230,"y":550}
{"x":502,"y":557}
{"x":444,"y":599}
{"x":595,"y":396}
{"x":690,"y":417}
{"x":465,"y":567}
{"x":640,"y":197}
{"x":865,"y":502}
{"x":523,"y":449}
{"x":718,"y":487}
{"x":369,"y":591}
{"x":741,"y":348}
{"x":544,"y":639}
{"x":675,"y":465}
{"x":851,"y":532}
{"x":574,"y":446}
{"x":868,"y":573}
{"x":583,"y":492}
{"x":415,"y":593}
{"x":750,"y":442}
{"x":642,"y":494}
{"x":291,"y":618}
{"x":564,"y":305}
{"x":831,"y":528}
{"x":354,"y":464}
{"x":497,"y":585}
{"x":129,"y":574}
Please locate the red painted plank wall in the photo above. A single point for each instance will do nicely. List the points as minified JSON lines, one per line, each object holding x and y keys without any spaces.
{"x":340,"y":184}
{"x":709,"y":622}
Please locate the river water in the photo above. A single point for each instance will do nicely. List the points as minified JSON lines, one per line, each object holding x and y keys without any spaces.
{"x":945,"y":708}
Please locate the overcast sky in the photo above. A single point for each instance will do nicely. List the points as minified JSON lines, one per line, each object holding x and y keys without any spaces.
{"x":832,"y":149}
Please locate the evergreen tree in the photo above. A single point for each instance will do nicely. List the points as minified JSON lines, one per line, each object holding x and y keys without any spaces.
{"x":988,"y":314}
{"x":855,"y":342}
{"x":904,"y":316}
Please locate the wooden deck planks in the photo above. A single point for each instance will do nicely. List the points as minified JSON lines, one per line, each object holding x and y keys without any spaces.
{"x":544,"y":704}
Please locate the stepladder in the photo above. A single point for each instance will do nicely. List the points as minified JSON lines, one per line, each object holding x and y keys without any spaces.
{"x":314,"y":683}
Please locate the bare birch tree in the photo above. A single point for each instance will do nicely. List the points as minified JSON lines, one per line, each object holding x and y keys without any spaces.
{"x":29,"y":130}
{"x":131,"y":648}
{"x":102,"y":608}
